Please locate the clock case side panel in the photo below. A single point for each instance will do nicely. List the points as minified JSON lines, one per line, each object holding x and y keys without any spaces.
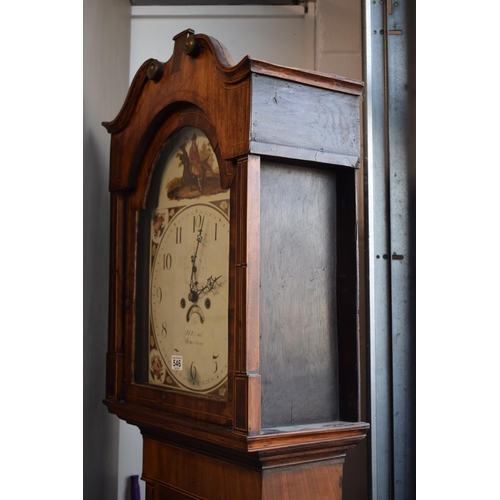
{"x":114,"y":355}
{"x":345,"y":331}
{"x":196,"y":407}
{"x":299,"y":351}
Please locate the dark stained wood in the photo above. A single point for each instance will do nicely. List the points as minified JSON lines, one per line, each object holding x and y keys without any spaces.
{"x":204,"y":82}
{"x":254,"y":417}
{"x":180,"y":41}
{"x":247,"y":287}
{"x":300,"y":439}
{"x":175,"y":471}
{"x":240,"y":247}
{"x":114,"y":356}
{"x":196,"y":474}
{"x":115,"y":341}
{"x":298,"y":327}
{"x":287,"y":143}
{"x":241,"y":403}
{"x":252,"y":258}
{"x":320,"y":481}
{"x":348,"y":298}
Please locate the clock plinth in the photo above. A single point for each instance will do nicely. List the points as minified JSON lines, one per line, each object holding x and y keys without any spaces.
{"x":187,"y":472}
{"x":233,"y":334}
{"x":194,"y":460}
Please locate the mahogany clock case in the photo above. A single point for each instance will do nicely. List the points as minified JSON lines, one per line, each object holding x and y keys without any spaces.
{"x":287,"y":146}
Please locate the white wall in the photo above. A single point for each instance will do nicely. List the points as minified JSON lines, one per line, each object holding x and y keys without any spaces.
{"x":129,"y":460}
{"x":106,"y":46}
{"x":279,"y":34}
{"x":339,"y":37}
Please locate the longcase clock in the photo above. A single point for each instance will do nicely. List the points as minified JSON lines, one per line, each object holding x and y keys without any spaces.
{"x":233,"y":317}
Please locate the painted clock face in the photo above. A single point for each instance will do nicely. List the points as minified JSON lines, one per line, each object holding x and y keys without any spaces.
{"x":189,"y":271}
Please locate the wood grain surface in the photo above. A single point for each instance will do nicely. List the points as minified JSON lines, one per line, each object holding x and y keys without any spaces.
{"x":298,"y":331}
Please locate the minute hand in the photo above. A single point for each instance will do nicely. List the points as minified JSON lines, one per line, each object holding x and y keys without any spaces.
{"x":193,"y":285}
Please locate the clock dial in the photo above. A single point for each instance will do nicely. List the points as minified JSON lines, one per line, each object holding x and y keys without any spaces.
{"x":189,"y":277}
